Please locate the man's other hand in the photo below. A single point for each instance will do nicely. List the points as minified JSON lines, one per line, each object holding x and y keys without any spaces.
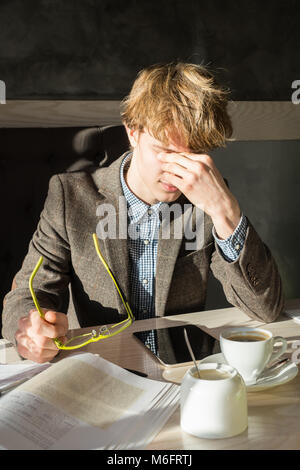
{"x":35,"y":335}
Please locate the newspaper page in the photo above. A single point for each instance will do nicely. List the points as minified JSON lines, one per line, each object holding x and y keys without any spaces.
{"x":85,"y":402}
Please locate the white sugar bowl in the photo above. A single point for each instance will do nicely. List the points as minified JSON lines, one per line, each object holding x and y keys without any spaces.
{"x":215,"y":405}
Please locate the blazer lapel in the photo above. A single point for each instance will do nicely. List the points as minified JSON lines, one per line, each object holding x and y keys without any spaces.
{"x":167,"y":253}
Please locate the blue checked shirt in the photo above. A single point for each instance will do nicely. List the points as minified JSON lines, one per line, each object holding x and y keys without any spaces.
{"x":143,"y":227}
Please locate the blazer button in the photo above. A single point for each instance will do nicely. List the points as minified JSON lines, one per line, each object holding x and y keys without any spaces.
{"x":250,"y":268}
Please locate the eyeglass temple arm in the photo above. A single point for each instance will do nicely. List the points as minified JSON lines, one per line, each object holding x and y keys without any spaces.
{"x":126,"y":304}
{"x":37,"y":306}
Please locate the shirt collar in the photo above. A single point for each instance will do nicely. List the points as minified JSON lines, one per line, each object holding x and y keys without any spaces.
{"x":136,"y":207}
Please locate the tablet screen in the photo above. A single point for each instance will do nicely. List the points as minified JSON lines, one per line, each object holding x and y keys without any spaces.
{"x":169,"y":347}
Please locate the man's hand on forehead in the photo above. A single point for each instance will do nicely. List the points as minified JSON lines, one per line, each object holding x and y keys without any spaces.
{"x":188,"y":170}
{"x":196,"y":176}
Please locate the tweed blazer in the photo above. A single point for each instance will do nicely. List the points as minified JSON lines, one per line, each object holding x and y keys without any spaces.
{"x":64,"y":238}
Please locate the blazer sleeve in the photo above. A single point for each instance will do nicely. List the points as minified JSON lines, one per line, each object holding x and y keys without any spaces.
{"x":50,"y":240}
{"x":252,"y":282}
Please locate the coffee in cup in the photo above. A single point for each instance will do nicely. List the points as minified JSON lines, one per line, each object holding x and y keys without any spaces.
{"x":250,"y":350}
{"x":246,"y":338}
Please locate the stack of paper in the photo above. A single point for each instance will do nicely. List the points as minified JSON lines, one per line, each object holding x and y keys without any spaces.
{"x":85,"y":402}
{"x":21,"y":371}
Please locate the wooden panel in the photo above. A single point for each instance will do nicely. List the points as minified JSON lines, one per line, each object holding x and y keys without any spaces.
{"x":252,"y":120}
{"x":265,"y":120}
{"x":57,"y":113}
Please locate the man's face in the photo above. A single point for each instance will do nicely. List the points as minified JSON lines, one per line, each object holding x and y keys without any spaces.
{"x":145,"y":175}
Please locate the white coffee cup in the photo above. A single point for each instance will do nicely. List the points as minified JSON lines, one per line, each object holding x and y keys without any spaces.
{"x":213,"y":408}
{"x":250,"y":350}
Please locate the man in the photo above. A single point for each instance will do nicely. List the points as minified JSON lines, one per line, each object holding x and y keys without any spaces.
{"x":174,"y":115}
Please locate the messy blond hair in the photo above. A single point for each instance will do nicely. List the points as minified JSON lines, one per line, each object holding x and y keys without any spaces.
{"x":179,"y":99}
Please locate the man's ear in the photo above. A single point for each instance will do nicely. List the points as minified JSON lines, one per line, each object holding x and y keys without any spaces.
{"x":133,"y":136}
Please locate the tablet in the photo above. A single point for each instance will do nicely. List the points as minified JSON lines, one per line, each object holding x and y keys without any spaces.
{"x":171,"y":349}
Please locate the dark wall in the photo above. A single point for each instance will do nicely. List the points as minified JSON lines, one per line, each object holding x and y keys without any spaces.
{"x":92,"y":49}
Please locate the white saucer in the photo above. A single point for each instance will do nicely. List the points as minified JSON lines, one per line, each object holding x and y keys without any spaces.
{"x":279,"y":377}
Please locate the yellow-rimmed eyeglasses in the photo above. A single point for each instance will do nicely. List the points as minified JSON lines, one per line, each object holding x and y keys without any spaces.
{"x":104,"y":331}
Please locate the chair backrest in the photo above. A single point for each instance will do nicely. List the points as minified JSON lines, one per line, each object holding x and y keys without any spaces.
{"x":28,"y":159}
